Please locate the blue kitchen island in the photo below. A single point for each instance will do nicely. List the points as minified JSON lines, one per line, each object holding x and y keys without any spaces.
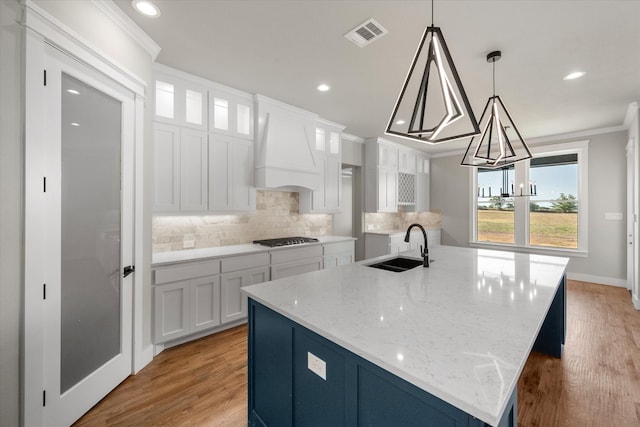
{"x":438,"y":346}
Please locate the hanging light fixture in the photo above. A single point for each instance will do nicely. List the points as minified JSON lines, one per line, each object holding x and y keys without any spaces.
{"x":440,"y":110}
{"x":500,"y":143}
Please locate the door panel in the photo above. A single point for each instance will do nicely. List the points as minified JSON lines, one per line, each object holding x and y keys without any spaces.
{"x":89,"y":224}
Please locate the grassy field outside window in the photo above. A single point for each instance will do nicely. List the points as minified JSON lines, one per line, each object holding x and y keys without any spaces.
{"x":552,"y":229}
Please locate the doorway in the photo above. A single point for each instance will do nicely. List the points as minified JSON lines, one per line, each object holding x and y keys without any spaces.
{"x":78,"y":241}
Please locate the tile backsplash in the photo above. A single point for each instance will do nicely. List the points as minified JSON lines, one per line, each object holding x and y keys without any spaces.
{"x":277,"y":215}
{"x":401,"y":220}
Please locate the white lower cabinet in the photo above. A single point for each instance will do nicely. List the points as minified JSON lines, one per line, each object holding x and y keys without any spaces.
{"x":205,"y":303}
{"x":202,"y":295}
{"x":191,"y":298}
{"x":186,"y":299}
{"x":234,"y":304}
{"x":171,"y":311}
{"x":338,"y":253}
{"x":299,"y":260}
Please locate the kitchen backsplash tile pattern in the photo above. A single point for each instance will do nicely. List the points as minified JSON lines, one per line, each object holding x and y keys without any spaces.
{"x":401,"y":220}
{"x":277,"y":215}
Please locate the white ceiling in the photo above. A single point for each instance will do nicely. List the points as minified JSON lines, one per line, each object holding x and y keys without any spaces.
{"x":284,"y":48}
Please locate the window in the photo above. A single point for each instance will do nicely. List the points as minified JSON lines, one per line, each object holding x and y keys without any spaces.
{"x":536,"y":204}
{"x":553,"y":211}
{"x":495,"y":207}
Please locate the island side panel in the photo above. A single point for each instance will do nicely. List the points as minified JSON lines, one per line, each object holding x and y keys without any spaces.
{"x":270,"y":375}
{"x":312,"y":381}
{"x":552,"y":335}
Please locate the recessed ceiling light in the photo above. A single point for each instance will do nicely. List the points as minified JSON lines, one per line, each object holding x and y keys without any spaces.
{"x":323,"y":87}
{"x":400,"y":122}
{"x":146,"y":7}
{"x":574,"y":75}
{"x":73,"y":91}
{"x":75,"y":124}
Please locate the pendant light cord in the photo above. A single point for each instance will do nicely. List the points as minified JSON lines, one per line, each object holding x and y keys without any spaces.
{"x":494,"y":78}
{"x":432,"y":13}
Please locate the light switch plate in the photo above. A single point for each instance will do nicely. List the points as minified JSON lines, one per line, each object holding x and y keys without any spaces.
{"x":613,"y":216}
{"x":317,"y":365}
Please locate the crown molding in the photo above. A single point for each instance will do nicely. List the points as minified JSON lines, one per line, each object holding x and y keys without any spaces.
{"x":352,"y":138}
{"x":632,"y":112}
{"x":117,"y":15}
{"x":561,"y":137}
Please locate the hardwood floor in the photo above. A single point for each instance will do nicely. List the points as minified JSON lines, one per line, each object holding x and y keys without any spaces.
{"x":596,"y":383}
{"x":201,"y":383}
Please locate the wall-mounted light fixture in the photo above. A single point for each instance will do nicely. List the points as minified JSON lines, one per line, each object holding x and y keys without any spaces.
{"x":500,"y":143}
{"x":432,"y":106}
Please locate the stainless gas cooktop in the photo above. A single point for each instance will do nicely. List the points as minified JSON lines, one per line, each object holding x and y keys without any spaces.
{"x":285,"y":241}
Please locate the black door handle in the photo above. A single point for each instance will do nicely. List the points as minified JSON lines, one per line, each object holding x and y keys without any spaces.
{"x":128,"y":270}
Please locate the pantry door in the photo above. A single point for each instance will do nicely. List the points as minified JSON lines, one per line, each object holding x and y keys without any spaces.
{"x":89,"y":237}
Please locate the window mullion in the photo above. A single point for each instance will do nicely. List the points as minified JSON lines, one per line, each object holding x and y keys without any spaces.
{"x":521,"y":204}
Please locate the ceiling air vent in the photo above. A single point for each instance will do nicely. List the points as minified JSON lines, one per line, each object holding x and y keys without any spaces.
{"x":366,"y":33}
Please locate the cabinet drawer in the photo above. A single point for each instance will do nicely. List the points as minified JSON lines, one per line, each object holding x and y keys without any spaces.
{"x":337,"y":248}
{"x":244,"y":262}
{"x":294,"y":254}
{"x":294,"y":268}
{"x":186,"y":271}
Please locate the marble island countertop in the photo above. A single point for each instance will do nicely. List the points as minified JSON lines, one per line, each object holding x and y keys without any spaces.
{"x":461,"y":330}
{"x":160,"y":258}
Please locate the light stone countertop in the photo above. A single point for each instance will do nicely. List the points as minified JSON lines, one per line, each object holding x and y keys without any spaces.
{"x":461,"y":330}
{"x":161,"y":258}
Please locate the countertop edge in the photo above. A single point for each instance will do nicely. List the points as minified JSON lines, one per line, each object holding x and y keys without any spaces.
{"x":160,"y":259}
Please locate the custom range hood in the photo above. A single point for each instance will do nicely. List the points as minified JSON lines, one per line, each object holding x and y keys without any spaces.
{"x":285,"y":140}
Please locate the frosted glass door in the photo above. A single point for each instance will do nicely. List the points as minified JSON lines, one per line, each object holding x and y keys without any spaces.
{"x":90,"y":243}
{"x":88,"y":237}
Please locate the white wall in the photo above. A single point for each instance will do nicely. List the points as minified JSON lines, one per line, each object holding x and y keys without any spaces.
{"x":449,"y":187}
{"x":11,"y":190}
{"x":606,"y":262}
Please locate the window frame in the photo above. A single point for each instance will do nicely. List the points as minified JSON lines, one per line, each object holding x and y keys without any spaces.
{"x":521,"y":204}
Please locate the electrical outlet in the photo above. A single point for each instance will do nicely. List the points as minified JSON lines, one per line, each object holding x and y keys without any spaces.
{"x":317,"y":365}
{"x":188,"y":244}
{"x":369,"y":227}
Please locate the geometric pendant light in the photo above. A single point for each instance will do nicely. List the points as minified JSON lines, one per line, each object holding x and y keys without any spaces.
{"x":432,"y":106}
{"x":500,"y":143}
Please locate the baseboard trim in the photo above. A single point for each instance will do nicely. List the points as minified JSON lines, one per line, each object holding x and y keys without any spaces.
{"x":601,"y":280}
{"x":636,"y":303}
{"x":143,"y":358}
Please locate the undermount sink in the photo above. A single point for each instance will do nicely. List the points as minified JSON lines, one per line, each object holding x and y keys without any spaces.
{"x":397,"y":265}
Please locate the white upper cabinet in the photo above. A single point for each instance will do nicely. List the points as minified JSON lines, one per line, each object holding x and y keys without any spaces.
{"x":407,"y":161}
{"x":231,"y":113}
{"x":180,"y":102}
{"x":422,"y":183}
{"x":381,"y":176}
{"x":328,"y":156}
{"x":395,"y":176}
{"x":180,"y":169}
{"x":231,"y":174}
{"x":203,"y":146}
